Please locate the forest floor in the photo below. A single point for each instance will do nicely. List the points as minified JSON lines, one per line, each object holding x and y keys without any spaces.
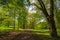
{"x":24,"y":35}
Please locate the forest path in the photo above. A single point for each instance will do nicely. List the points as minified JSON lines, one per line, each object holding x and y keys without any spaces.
{"x":22,"y":35}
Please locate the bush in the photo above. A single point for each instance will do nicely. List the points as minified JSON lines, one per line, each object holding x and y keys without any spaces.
{"x":42,"y":25}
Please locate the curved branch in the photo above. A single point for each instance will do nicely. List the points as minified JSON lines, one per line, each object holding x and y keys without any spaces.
{"x":36,"y":6}
{"x":43,"y":8}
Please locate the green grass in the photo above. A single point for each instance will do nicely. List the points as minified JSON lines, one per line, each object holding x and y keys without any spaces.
{"x":41,"y":31}
{"x":8,"y":28}
{"x":44,"y":33}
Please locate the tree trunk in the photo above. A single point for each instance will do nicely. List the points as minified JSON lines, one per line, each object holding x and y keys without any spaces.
{"x":23,"y":25}
{"x":8,"y":23}
{"x":14,"y":25}
{"x":49,"y":17}
{"x":52,"y":27}
{"x":18,"y":25}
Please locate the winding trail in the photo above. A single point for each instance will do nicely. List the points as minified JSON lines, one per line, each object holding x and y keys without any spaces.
{"x":21,"y":35}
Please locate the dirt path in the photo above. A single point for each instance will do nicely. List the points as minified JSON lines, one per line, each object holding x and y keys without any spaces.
{"x":19,"y":35}
{"x":26,"y":36}
{"x":22,"y":35}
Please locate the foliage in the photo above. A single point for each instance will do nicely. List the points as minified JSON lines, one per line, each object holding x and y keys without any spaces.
{"x":15,"y":13}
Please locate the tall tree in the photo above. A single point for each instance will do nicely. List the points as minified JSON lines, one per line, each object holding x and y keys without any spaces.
{"x":16,"y":7}
{"x":49,"y":17}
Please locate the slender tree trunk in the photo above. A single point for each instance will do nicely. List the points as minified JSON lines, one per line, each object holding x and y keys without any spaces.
{"x":8,"y":23}
{"x":23,"y":25}
{"x":14,"y":25}
{"x":14,"y":20}
{"x":18,"y":25}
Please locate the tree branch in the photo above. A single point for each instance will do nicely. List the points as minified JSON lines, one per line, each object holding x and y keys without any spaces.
{"x":36,"y":6}
{"x":43,"y":8}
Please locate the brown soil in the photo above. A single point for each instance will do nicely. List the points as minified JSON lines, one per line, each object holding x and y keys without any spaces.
{"x":20,"y":35}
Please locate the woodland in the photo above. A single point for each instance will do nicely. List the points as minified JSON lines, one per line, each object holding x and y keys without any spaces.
{"x":29,"y":20}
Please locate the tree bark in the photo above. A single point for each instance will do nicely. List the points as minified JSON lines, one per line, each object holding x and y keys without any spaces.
{"x":49,"y":17}
{"x":23,"y":25}
{"x":52,"y":27}
{"x":51,"y":21}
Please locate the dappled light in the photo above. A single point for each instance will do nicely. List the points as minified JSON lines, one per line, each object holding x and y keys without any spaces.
{"x":29,"y":20}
